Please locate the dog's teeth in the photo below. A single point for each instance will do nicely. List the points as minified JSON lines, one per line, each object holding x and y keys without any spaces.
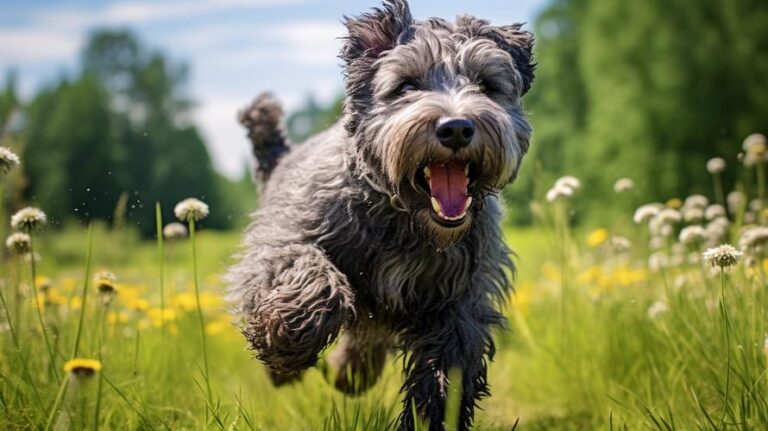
{"x":436,"y":206}
{"x":466,"y":205}
{"x":426,"y":171}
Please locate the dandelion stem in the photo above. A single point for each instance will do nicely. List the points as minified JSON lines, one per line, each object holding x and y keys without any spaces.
{"x":160,"y":258}
{"x":200,"y":311}
{"x":37,"y":303}
{"x":760,"y":172}
{"x":719,"y":193}
{"x":56,"y":403}
{"x":724,"y":311}
{"x":84,"y":296}
{"x":97,"y":412}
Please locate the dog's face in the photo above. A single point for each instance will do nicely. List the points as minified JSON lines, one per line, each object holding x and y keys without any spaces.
{"x":436,"y":110}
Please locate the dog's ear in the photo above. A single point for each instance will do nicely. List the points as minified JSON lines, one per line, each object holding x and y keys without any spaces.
{"x":372,"y":33}
{"x":519,"y":44}
{"x":369,"y":35}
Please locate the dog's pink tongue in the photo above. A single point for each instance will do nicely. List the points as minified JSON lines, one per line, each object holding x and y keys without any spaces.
{"x":449,"y":187}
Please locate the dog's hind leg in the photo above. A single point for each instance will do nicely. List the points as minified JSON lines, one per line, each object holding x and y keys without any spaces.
{"x":294,"y":301}
{"x":358,"y":359}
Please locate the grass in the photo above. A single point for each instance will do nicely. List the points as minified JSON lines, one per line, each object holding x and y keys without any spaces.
{"x":615,"y":359}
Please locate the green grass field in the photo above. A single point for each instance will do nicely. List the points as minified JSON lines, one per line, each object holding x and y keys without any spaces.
{"x":601,"y":336}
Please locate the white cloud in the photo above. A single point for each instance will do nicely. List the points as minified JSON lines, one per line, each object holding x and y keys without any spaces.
{"x":18,"y":45}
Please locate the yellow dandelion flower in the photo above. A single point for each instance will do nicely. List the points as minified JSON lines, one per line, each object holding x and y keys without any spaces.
{"x":597,"y":237}
{"x":82,"y":367}
{"x":674,"y":203}
{"x":593,"y":274}
{"x":138,"y":304}
{"x":42,"y":282}
{"x":115,"y":317}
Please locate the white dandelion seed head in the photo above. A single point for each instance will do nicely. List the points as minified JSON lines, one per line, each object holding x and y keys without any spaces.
{"x":568,"y":181}
{"x":692,"y":235}
{"x":191,"y":209}
{"x":8,"y":160}
{"x":750,"y":217}
{"x":754,"y":238}
{"x":693,"y":215}
{"x":754,"y":142}
{"x":716,"y":165}
{"x":557,"y":193}
{"x":646,"y":212}
{"x":755,"y":205}
{"x":722,"y":256}
{"x":623,"y":184}
{"x":735,"y":201}
{"x":105,"y":276}
{"x":29,"y":257}
{"x":28,"y":219}
{"x":657,"y":243}
{"x":619,"y":244}
{"x":657,"y":309}
{"x":18,"y":243}
{"x":714,"y":211}
{"x":175,"y":230}
{"x":669,"y":216}
{"x":658,"y":261}
{"x":696,"y":201}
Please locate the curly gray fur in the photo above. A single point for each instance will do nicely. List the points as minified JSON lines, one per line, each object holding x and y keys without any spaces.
{"x":263,"y":119}
{"x":327,"y":250}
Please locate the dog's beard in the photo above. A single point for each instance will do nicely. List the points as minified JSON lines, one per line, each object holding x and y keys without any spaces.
{"x":442,"y":189}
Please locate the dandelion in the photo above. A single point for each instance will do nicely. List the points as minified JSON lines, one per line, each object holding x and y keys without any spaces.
{"x":82,"y":367}
{"x":657,"y":309}
{"x":735,"y":201}
{"x":174,"y":230}
{"x":646,"y":212}
{"x":597,"y":237}
{"x":28,"y":219}
{"x":623,"y":184}
{"x":753,"y":239}
{"x":191,"y":209}
{"x":669,"y":215}
{"x":674,"y":203}
{"x":105,"y":282}
{"x":696,"y":201}
{"x":658,"y":261}
{"x":755,"y":143}
{"x":8,"y":160}
{"x":716,"y":165}
{"x":569,"y":182}
{"x":714,"y":211}
{"x":723,"y":256}
{"x":692,"y":235}
{"x":619,"y":244}
{"x":693,"y":215}
{"x":18,"y":243}
{"x":558,"y":193}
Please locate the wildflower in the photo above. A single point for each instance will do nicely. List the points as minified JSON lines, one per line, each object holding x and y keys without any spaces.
{"x":568,"y":182}
{"x":174,"y":230}
{"x":29,"y":257}
{"x":597,"y":237}
{"x":623,"y":184}
{"x":657,"y":309}
{"x":693,"y":215}
{"x":735,"y":201}
{"x":557,"y":193}
{"x":43,"y":283}
{"x":753,"y":239}
{"x":674,"y":203}
{"x":18,"y":243}
{"x":669,"y":215}
{"x":755,"y":142}
{"x":658,"y":261}
{"x":714,"y":211}
{"x":191,"y":209}
{"x":105,"y":284}
{"x":696,"y":201}
{"x":646,"y":212}
{"x":716,"y":165}
{"x":82,"y":367}
{"x":723,"y":256}
{"x":8,"y":160}
{"x":28,"y":219}
{"x":619,"y":244}
{"x":692,"y":235}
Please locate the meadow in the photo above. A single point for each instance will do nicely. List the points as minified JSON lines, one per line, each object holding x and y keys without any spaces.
{"x":627,"y":326}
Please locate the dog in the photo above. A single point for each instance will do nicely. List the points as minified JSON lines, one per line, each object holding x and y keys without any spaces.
{"x":384,"y":230}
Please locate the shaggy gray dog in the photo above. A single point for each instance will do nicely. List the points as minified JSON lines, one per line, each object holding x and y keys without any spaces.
{"x":386,"y":226}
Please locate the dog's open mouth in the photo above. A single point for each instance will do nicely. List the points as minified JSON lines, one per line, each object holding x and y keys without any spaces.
{"x":447,"y":185}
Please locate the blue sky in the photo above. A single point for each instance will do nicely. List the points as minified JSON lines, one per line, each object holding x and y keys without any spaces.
{"x":236,"y":48}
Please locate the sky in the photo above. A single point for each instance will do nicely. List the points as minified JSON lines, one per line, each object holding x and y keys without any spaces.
{"x":235,"y":48}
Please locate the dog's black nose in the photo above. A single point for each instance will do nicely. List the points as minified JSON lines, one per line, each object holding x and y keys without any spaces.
{"x":455,"y":133}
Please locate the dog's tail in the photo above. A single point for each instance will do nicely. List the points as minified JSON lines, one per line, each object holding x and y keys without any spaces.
{"x":263,"y":119}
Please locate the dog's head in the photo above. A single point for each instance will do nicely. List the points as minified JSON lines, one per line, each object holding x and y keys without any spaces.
{"x":436,"y":110}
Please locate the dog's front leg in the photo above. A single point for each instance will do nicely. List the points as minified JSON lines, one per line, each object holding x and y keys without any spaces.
{"x":456,"y":338}
{"x":295,"y":302}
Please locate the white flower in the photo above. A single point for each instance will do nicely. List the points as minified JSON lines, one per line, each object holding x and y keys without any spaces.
{"x":755,"y":205}
{"x":669,"y":215}
{"x":646,"y":212}
{"x":623,"y":184}
{"x":619,"y":244}
{"x":569,"y":182}
{"x":722,"y":256}
{"x":692,"y":215}
{"x":692,"y":235}
{"x":753,"y":238}
{"x":658,"y":261}
{"x":735,"y":201}
{"x":8,"y":160}
{"x":191,"y":209}
{"x":753,"y":142}
{"x":28,"y":219}
{"x":657,"y":309}
{"x":557,"y":193}
{"x":18,"y":243}
{"x":696,"y":201}
{"x":714,"y":211}
{"x":174,"y":230}
{"x":716,"y":165}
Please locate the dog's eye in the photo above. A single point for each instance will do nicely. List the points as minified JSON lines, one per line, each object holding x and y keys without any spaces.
{"x":406,"y":87}
{"x":485,"y":87}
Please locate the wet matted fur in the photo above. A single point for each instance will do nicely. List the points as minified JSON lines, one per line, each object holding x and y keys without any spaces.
{"x":349,"y":237}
